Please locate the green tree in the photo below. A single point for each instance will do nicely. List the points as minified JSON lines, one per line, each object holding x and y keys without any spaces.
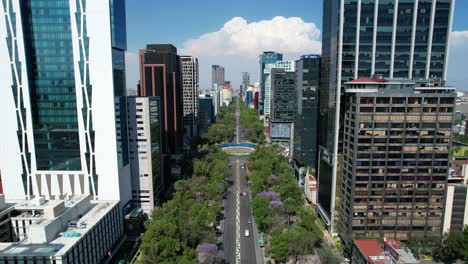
{"x":280,"y":247}
{"x":261,"y":213}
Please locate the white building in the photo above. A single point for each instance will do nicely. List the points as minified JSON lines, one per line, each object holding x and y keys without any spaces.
{"x":456,"y":204}
{"x":59,"y":131}
{"x":145,"y":151}
{"x":289,"y":66}
{"x":75,"y":230}
{"x":64,"y":129}
{"x":190,"y":85}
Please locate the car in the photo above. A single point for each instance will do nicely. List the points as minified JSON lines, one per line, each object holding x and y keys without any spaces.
{"x":247,"y":233}
{"x":249,"y":220}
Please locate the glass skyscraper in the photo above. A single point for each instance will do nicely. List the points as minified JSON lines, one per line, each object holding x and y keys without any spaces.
{"x":361,"y":38}
{"x":267,"y":57}
{"x":307,"y":112}
{"x":63,"y":133}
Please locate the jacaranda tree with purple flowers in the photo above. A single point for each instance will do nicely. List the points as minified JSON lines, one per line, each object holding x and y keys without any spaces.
{"x":208,"y":253}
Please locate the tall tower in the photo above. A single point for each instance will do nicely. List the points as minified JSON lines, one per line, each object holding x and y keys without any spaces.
{"x":217,"y":75}
{"x":62,"y":74}
{"x":190,"y":86}
{"x":266,"y":57}
{"x":395,"y":39}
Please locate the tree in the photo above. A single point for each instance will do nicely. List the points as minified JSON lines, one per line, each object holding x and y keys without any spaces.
{"x":291,"y":206}
{"x":280,"y":247}
{"x":453,"y":247}
{"x":261,"y":212}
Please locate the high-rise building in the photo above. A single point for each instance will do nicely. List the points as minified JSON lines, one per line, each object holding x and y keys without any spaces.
{"x":190,"y":85}
{"x":267,"y":57}
{"x":206,"y":113}
{"x":148,"y":174}
{"x":245,"y":83}
{"x":283,"y":104}
{"x":60,"y":93}
{"x":217,"y":75}
{"x":307,"y":113}
{"x":396,"y":39}
{"x":64,"y":157}
{"x":397,"y":140}
{"x":160,"y":76}
{"x":288,"y":66}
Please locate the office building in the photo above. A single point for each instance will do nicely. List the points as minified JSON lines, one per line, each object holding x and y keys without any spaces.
{"x":77,"y":229}
{"x":456,"y":205}
{"x":206,"y":113}
{"x":217,"y":75}
{"x":160,"y":76}
{"x":190,"y":86}
{"x":397,"y":140}
{"x":265,"y":58}
{"x":245,"y":84}
{"x":248,"y":98}
{"x":288,"y":66}
{"x":61,"y":84}
{"x":225,"y":95}
{"x":307,"y":113}
{"x":283,"y":105}
{"x":149,"y":176}
{"x":396,"y":39}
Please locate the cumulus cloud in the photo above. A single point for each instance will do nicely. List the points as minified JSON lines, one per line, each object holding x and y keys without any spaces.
{"x":458,"y":54}
{"x":237,"y":45}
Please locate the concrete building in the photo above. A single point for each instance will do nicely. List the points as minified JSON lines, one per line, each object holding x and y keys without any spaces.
{"x":371,"y":252}
{"x":75,"y":230}
{"x":217,"y":75}
{"x":63,"y":85}
{"x":149,"y":173}
{"x":190,"y":86}
{"x":225,"y":95}
{"x":305,"y":147}
{"x":267,"y":57}
{"x":288,"y":66}
{"x":396,"y":39}
{"x":456,"y":205}
{"x":397,"y":141}
{"x":245,"y":84}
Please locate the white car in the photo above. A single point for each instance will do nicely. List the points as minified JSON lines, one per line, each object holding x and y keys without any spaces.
{"x":247,"y":233}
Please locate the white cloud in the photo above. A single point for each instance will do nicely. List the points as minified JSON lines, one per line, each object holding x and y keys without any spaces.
{"x":237,"y":45}
{"x":458,"y":54}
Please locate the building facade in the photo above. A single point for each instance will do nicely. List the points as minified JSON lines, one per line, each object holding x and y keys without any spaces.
{"x":266,"y":57}
{"x":397,"y":140}
{"x":217,"y":75}
{"x":160,"y":76}
{"x":288,"y":66}
{"x":66,"y":73}
{"x":456,"y":205}
{"x":396,"y":39}
{"x":190,"y":86}
{"x":206,"y":113}
{"x":149,"y":176}
{"x":245,"y":84}
{"x":306,"y":116}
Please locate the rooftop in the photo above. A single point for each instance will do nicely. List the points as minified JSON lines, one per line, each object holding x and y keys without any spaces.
{"x":83,"y":213}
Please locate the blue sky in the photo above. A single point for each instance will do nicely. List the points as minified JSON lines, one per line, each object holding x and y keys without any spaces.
{"x":177,"y":22}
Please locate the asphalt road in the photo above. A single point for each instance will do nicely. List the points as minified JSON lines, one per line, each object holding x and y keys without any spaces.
{"x":238,"y":248}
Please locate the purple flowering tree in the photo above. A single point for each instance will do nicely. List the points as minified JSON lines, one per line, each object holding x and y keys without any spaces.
{"x":208,"y":253}
{"x":275,"y":204}
{"x":271,"y":196}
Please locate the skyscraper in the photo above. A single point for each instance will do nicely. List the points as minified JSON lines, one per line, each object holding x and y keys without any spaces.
{"x":395,"y":159}
{"x":287,"y":66}
{"x":307,"y":112}
{"x":266,"y":57}
{"x":190,"y":85}
{"x":206,"y":113}
{"x":160,"y":76}
{"x":62,"y":77}
{"x":217,"y":75}
{"x":148,"y":179}
{"x":245,"y":83}
{"x":283,"y":105}
{"x":397,"y":39}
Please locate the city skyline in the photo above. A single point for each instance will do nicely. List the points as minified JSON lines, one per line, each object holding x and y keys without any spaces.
{"x":207,"y":35}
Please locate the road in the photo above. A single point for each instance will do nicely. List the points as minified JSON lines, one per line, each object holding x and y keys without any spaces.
{"x":239,"y":248}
